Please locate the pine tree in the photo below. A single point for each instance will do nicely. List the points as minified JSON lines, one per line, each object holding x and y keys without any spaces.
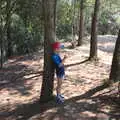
{"x":49,"y":38}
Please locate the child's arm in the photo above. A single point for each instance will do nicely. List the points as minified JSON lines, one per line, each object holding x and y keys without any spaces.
{"x":57,"y":62}
{"x":63,"y":60}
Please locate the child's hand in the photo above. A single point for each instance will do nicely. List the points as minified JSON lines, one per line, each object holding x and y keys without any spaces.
{"x":65,"y":56}
{"x":60,"y":65}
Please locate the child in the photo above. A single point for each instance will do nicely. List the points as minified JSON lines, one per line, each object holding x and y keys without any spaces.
{"x":59,"y":66}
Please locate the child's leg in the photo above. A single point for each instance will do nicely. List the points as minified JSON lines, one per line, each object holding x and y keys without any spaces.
{"x":60,"y":98}
{"x":59,"y":85}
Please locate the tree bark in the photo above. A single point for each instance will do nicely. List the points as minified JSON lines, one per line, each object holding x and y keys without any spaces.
{"x":8,"y":17}
{"x":1,"y":51}
{"x":115,"y":68}
{"x":1,"y":42}
{"x":93,"y":41}
{"x":55,"y":15}
{"x":73,"y":24}
{"x":49,"y":38}
{"x":81,"y":23}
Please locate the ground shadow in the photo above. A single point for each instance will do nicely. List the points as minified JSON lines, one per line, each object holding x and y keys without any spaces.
{"x":12,"y":77}
{"x":26,"y":111}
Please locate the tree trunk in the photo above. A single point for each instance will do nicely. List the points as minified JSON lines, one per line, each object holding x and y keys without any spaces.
{"x":1,"y":38}
{"x":9,"y":46}
{"x":81,"y":24}
{"x":93,"y":41}
{"x":1,"y":44}
{"x":1,"y":48}
{"x":55,"y":15}
{"x":115,"y":68}
{"x":49,"y":38}
{"x":8,"y":17}
{"x":73,"y":24}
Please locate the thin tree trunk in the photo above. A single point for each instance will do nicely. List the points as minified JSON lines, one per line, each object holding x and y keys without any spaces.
{"x":8,"y":17}
{"x":9,"y":49}
{"x":1,"y":44}
{"x":81,"y":24}
{"x":1,"y":48}
{"x":49,"y":38}
{"x":93,"y":41}
{"x":1,"y":60}
{"x":73,"y":24}
{"x":1,"y":39}
{"x":115,"y":68}
{"x":55,"y":16}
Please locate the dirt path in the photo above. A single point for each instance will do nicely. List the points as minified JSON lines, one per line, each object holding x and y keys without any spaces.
{"x":87,"y":98}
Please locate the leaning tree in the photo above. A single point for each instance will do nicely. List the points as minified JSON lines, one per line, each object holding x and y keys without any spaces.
{"x":115,"y":68}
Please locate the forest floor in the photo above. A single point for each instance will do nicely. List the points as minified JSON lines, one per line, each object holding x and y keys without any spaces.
{"x":86,"y":95}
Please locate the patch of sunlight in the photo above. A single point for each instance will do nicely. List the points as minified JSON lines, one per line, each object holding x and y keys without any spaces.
{"x":88,"y":113}
{"x":29,"y":76}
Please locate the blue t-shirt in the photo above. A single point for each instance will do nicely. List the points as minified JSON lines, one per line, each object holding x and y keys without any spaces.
{"x":59,"y":68}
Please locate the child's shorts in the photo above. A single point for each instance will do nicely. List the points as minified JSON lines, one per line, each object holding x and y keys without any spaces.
{"x":60,"y":72}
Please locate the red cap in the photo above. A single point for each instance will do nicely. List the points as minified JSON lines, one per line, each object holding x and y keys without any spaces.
{"x":56,"y":45}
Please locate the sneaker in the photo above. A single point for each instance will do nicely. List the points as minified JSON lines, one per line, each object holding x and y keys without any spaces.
{"x":61,"y":96}
{"x":60,"y":99}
